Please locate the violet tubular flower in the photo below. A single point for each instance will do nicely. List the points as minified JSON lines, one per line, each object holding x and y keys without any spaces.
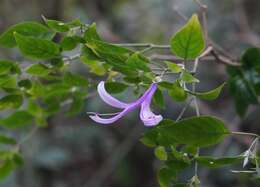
{"x":146,"y":115}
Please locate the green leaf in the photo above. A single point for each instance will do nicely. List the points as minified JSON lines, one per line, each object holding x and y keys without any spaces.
{"x":149,"y":138}
{"x":217,"y":162}
{"x":17,"y":119}
{"x":165,"y":175}
{"x":75,"y":80}
{"x":70,"y":42}
{"x":11,"y":102}
{"x":38,"y":112}
{"x":40,"y":70}
{"x":177,"y":93}
{"x":244,"y":81}
{"x":188,"y":42}
{"x":161,"y":153}
{"x":76,"y":106}
{"x":57,"y":26}
{"x":58,"y":91}
{"x":37,"y":49}
{"x":177,"y":165}
{"x":6,"y":168}
{"x":115,"y":87}
{"x":91,"y":33}
{"x":8,"y":81}
{"x":6,"y":66}
{"x":175,"y":68}
{"x":37,"y":89}
{"x":188,"y":78}
{"x":7,"y":140}
{"x":242,"y":86}
{"x":32,"y":29}
{"x":195,"y":131}
{"x":210,"y":95}
{"x":251,"y":59}
{"x":138,"y":62}
{"x":113,"y":55}
{"x":158,"y":98}
{"x":25,"y":84}
{"x":96,"y":67}
{"x":17,"y":159}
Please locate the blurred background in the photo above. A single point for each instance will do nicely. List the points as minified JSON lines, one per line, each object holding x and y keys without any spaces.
{"x":73,"y":151}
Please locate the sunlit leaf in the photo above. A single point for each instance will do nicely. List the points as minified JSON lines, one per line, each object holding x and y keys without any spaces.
{"x":11,"y":102}
{"x":38,"y":70}
{"x":160,"y":153}
{"x":188,"y":77}
{"x":138,"y":62}
{"x":176,"y":92}
{"x":175,"y":68}
{"x":29,"y":28}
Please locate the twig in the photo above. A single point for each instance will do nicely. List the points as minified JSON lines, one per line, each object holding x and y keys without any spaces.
{"x":246,"y":134}
{"x":204,"y":8}
{"x":28,"y":136}
{"x":224,"y":60}
{"x":144,"y":45}
{"x":176,"y":59}
{"x":71,"y":58}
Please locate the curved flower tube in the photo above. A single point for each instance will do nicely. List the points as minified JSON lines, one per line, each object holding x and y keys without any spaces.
{"x":146,"y":115}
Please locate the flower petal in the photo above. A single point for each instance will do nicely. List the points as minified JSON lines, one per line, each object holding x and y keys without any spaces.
{"x":107,"y":98}
{"x":98,"y":119}
{"x":146,"y":115}
{"x":150,"y":90}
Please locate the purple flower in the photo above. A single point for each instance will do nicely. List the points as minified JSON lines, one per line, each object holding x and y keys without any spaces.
{"x":146,"y":115}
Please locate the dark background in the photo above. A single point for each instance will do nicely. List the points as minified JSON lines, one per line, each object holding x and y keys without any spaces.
{"x":75,"y":152}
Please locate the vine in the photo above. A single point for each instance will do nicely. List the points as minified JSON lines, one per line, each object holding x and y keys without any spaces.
{"x":34,"y":93}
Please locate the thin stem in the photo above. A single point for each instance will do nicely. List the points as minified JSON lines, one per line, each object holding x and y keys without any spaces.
{"x":28,"y":136}
{"x":146,"y":45}
{"x":184,"y":109}
{"x":245,"y":134}
{"x":71,"y":58}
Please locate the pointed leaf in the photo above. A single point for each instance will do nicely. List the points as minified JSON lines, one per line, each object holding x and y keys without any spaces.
{"x":17,"y":119}
{"x":177,"y":93}
{"x":29,"y":28}
{"x":217,"y":162}
{"x":37,"y":49}
{"x":188,"y":78}
{"x":11,"y":102}
{"x":38,"y":70}
{"x":210,"y":95}
{"x":175,"y":68}
{"x":188,"y":42}
{"x":195,"y":131}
